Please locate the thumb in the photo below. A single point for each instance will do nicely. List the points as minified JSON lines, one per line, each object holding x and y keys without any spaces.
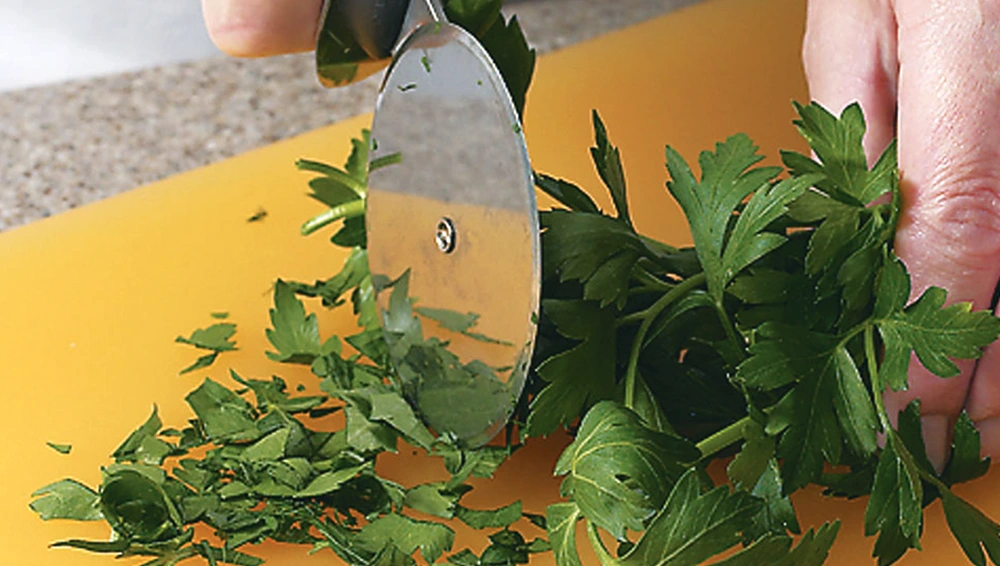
{"x":260,"y":28}
{"x":949,"y":155}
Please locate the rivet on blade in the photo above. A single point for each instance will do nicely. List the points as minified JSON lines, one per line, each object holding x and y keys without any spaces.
{"x":445,"y":235}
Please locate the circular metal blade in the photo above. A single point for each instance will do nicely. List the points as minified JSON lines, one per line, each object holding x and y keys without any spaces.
{"x":454,"y":224}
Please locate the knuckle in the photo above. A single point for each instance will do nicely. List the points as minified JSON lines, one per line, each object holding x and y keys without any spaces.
{"x":961,"y":212}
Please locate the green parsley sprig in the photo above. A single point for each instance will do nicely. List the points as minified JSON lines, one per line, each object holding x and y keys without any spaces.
{"x":771,"y":340}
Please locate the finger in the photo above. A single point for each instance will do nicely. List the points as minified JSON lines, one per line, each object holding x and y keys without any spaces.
{"x":259,"y":28}
{"x":849,"y":54}
{"x":949,"y":154}
{"x":984,"y":401}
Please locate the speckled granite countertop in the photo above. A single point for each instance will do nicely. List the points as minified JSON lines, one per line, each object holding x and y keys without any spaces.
{"x":70,"y":144}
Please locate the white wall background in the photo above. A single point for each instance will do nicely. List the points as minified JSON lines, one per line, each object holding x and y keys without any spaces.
{"x":45,"y":41}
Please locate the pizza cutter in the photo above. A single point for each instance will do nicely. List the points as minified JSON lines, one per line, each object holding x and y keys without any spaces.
{"x":452,"y":223}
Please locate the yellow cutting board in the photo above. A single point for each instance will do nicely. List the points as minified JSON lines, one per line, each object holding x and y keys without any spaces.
{"x":93,"y":299}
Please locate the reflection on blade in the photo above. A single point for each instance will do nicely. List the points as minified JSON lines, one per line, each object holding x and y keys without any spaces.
{"x":450,"y":395}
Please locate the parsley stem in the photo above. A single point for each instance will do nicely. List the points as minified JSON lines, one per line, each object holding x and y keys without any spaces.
{"x":347,"y":210}
{"x":637,"y":316}
{"x":650,"y":280}
{"x":877,"y":387}
{"x":599,"y":549}
{"x":883,"y":415}
{"x":933,"y":480}
{"x":342,"y":177}
{"x":727,"y":325}
{"x":649,"y":317}
{"x":206,"y":551}
{"x":723,"y":439}
{"x":385,"y":160}
{"x":658,"y":245}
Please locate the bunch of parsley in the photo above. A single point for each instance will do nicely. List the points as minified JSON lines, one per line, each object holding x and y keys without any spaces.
{"x":773,"y":339}
{"x":776,"y":334}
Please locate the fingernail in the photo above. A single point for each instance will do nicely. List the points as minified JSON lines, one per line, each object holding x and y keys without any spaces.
{"x":989,"y":436}
{"x":935,"y":429}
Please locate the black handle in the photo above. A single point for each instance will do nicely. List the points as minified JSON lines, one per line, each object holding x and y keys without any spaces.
{"x":376,"y":23}
{"x":356,"y":38}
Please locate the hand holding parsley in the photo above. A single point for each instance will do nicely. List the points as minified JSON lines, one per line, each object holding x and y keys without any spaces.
{"x":929,"y":73}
